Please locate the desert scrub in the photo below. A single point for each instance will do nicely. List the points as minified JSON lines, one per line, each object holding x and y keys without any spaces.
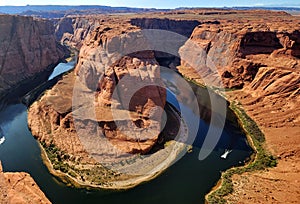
{"x":56,"y":156}
{"x":261,"y":161}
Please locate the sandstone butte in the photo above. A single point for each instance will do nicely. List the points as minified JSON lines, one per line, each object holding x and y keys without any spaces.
{"x":28,"y":53}
{"x":256,"y":53}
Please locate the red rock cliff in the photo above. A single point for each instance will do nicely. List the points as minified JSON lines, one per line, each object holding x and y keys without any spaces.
{"x":27,"y":47}
{"x":239,"y":48}
{"x":72,"y":31}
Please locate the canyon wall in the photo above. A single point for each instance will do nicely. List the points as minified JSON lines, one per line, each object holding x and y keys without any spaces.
{"x":236,"y":50}
{"x":27,"y":47}
{"x":72,"y":31}
{"x":182,"y":27}
{"x":257,"y":57}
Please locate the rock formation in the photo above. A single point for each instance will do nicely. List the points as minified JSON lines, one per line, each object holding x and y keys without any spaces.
{"x":136,"y":68}
{"x":27,"y":47}
{"x":111,"y":111}
{"x":239,"y":48}
{"x":102,"y":75}
{"x":20,"y":188}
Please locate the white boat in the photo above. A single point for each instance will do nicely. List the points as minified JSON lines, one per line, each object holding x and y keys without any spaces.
{"x":227,"y":151}
{"x":2,"y":140}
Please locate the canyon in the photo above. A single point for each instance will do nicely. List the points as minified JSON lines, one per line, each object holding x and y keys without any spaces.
{"x":249,"y":57}
{"x":256,"y":55}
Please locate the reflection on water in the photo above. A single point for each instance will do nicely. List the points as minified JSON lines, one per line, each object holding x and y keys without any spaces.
{"x":187,"y":181}
{"x":61,"y":68}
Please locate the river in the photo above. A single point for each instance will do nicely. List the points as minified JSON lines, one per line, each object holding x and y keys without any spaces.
{"x":187,"y":181}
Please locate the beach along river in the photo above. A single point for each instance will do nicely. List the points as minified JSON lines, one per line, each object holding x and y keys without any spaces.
{"x":187,"y":181}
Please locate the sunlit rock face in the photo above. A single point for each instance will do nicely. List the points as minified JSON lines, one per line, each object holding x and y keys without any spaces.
{"x":235,"y":49}
{"x":124,"y":81}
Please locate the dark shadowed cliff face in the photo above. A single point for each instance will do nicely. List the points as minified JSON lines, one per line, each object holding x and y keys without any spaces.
{"x":27,"y":47}
{"x":182,"y":27}
{"x":72,"y":31}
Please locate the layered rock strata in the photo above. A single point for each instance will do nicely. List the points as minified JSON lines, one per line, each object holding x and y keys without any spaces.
{"x":27,"y":47}
{"x":72,"y":31}
{"x":260,"y":57}
{"x":235,"y":50}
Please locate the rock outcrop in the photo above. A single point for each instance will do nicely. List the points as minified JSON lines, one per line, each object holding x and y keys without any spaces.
{"x":27,"y":47}
{"x":20,"y":188}
{"x":99,"y":73}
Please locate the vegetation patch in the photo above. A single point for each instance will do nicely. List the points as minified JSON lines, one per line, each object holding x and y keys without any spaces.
{"x":96,"y":174}
{"x":261,"y":161}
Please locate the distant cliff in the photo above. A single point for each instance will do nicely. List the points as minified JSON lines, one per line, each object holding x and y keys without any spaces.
{"x":27,"y":47}
{"x":72,"y":31}
{"x":182,"y":27}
